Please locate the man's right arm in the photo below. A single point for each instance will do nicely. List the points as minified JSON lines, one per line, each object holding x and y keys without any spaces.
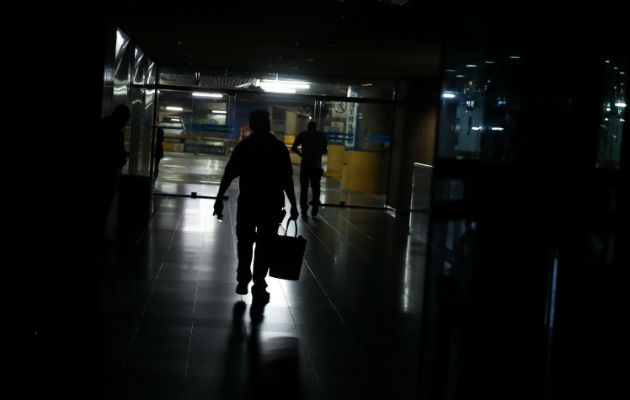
{"x":231,"y":172}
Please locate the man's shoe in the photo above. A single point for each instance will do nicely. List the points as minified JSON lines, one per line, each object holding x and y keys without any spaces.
{"x":257,"y":311}
{"x":241,"y":288}
{"x":260,"y":295}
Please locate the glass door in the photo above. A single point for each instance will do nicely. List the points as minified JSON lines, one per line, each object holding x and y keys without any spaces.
{"x":357,"y":164}
{"x":198,"y":133}
{"x":202,"y":128}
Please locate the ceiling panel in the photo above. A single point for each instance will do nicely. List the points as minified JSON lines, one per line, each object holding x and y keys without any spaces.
{"x":335,"y":38}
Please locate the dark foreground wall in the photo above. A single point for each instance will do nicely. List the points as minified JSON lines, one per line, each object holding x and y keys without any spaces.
{"x":53,"y":80}
{"x":525,"y":273}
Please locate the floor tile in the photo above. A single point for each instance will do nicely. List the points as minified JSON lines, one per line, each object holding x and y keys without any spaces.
{"x":347,"y":329}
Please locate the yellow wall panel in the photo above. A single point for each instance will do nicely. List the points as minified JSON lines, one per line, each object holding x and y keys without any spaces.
{"x":365,"y":172}
{"x":334,"y":164}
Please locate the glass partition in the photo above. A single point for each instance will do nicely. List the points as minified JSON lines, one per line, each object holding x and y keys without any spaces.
{"x":202,"y":127}
{"x":129,"y":79}
{"x":480,"y":110}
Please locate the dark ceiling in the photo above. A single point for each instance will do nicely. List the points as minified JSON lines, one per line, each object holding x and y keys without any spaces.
{"x":369,"y":38}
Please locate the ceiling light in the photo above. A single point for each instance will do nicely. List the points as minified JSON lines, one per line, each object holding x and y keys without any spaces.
{"x":211,"y":95}
{"x":171,"y":108}
{"x":278,"y":86}
{"x":620,"y":105}
{"x":448,"y":95}
{"x":219,"y":112}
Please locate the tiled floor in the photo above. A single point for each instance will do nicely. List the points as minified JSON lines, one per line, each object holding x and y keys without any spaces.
{"x":349,"y":328}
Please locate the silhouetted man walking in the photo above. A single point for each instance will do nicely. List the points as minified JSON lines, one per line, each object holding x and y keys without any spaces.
{"x":314,"y":145}
{"x":263,"y":166}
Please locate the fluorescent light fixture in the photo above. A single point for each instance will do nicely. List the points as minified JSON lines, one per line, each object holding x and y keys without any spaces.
{"x":496,"y":128}
{"x":459,"y":76}
{"x":278,"y":90}
{"x":448,"y":95}
{"x":515,"y":57}
{"x":489,"y":62}
{"x":471,"y":66}
{"x":210,"y":95}
{"x":620,"y":105}
{"x":278,"y":86}
{"x":171,"y":108}
{"x":476,"y":128}
{"x":219,"y":112}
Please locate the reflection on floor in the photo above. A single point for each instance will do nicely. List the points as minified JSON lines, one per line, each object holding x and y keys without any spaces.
{"x":184,"y":173}
{"x":349,"y":328}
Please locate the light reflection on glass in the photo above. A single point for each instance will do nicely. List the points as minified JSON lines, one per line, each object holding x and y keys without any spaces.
{"x":404,"y":297}
{"x":612,"y":116}
{"x":121,"y":39}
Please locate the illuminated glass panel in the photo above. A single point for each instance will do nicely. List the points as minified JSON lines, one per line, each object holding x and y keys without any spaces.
{"x":613,"y":115}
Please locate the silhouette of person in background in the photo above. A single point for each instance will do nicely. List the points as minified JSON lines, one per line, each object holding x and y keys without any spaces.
{"x":314,"y":145}
{"x":109,"y":156}
{"x":264,"y":168}
{"x":159,"y":152}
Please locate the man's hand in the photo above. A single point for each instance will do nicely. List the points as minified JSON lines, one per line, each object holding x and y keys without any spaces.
{"x":294,"y":213}
{"x":218,"y":209}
